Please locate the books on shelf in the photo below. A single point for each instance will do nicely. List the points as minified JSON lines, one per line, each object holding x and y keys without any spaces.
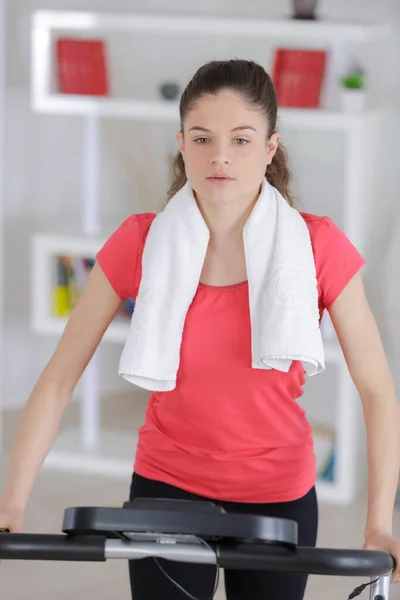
{"x":298,"y":76}
{"x":69,"y":280}
{"x":82,"y":67}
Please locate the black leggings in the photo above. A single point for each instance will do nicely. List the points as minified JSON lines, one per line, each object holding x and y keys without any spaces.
{"x":149,"y":583}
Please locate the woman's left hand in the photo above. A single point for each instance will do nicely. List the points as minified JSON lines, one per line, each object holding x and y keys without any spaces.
{"x":384,"y":541}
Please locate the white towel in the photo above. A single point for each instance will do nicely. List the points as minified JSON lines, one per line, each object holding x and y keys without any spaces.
{"x":282,"y":282}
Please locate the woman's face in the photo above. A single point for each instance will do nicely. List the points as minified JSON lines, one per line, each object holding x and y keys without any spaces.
{"x":225,"y":148}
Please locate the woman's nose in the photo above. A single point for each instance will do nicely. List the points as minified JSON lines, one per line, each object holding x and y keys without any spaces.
{"x":220,"y":154}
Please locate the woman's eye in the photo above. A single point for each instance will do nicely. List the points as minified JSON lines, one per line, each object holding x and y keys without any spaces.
{"x":238,"y":141}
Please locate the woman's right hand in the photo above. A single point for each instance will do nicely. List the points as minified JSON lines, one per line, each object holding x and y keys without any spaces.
{"x":11,"y":520}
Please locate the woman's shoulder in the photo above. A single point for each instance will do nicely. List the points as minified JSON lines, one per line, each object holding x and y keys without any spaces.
{"x":141,"y":221}
{"x":322,"y":229}
{"x":134,"y":229}
{"x":119,"y":256}
{"x":143,"y":218}
{"x":313,"y":221}
{"x":336,"y":258}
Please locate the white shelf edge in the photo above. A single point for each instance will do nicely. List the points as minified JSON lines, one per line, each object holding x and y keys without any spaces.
{"x":85,"y":462}
{"x":106,"y":107}
{"x":113,"y":457}
{"x":88,"y":464}
{"x":168,"y":112}
{"x":332,"y":493}
{"x":325,"y":119}
{"x":54,"y":326}
{"x":51,"y":244}
{"x":324,"y":30}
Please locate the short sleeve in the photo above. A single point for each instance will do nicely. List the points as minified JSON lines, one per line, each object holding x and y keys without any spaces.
{"x":118,"y":257}
{"x":337,"y":260}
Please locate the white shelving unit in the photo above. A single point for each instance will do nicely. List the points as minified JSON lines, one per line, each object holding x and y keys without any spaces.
{"x":99,"y":455}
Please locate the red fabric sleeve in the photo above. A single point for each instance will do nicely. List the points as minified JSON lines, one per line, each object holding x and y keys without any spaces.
{"x":336,"y":259}
{"x":118,"y":257}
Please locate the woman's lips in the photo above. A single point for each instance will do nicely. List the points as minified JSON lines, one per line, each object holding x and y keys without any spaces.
{"x":220,"y":180}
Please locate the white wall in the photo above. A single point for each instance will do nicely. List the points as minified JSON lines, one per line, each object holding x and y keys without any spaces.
{"x":44,"y":155}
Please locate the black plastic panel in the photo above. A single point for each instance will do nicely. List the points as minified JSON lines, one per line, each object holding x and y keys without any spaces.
{"x":179,"y":517}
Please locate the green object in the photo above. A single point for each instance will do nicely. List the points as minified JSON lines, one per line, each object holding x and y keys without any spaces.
{"x":169,"y":90}
{"x":354,"y":82}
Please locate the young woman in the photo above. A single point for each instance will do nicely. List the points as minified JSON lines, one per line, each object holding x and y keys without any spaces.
{"x":226,"y":432}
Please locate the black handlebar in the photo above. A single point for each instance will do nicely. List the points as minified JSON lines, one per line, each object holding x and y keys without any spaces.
{"x":319,"y":561}
{"x":316,"y":561}
{"x":39,"y":546}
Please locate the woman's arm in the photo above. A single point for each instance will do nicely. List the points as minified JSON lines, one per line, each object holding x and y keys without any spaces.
{"x":364,"y":354}
{"x":46,"y":405}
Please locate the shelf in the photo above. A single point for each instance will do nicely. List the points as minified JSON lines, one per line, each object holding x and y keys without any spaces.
{"x":51,"y":244}
{"x":44,"y":249}
{"x":321,"y":30}
{"x":326,"y":120}
{"x":45,"y":101}
{"x":54,"y":326}
{"x":332,"y":493}
{"x":142,"y":110}
{"x":168,"y":112}
{"x":115,"y":455}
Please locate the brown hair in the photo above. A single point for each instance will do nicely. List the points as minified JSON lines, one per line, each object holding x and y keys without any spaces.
{"x":253,"y":82}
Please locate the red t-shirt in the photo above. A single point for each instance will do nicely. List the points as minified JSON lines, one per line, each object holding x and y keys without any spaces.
{"x":228,"y":431}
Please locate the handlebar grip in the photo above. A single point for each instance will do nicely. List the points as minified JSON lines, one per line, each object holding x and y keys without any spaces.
{"x":23,"y":546}
{"x":318,"y":561}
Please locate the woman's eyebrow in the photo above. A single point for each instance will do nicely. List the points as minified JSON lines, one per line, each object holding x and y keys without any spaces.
{"x":240,"y":128}
{"x":244,"y":127}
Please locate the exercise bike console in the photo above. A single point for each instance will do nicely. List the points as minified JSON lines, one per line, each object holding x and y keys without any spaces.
{"x":147,"y":517}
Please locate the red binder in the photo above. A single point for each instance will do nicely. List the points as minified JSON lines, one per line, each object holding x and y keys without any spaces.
{"x":82,"y":67}
{"x":298,"y":76}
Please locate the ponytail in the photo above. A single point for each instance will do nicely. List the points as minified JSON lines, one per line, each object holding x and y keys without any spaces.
{"x":179,"y":176}
{"x":279,"y":175}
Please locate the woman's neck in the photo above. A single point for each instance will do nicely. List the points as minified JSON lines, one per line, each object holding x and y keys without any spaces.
{"x":226,"y":222}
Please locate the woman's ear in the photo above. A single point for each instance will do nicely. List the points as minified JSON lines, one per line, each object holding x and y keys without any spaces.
{"x":272,"y":146}
{"x":181,"y":144}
